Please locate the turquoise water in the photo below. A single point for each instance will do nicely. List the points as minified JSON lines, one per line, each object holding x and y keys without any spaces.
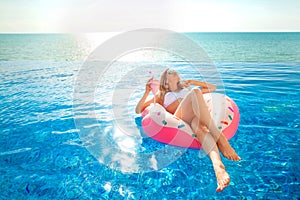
{"x":221,"y":47}
{"x":250,"y":47}
{"x":42,"y":155}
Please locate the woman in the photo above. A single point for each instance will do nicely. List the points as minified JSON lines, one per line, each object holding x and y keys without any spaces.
{"x":190,"y":106}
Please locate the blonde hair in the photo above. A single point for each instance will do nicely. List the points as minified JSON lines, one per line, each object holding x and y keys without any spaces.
{"x":163,"y":86}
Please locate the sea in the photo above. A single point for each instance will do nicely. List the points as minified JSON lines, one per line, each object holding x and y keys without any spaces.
{"x":68,"y":129}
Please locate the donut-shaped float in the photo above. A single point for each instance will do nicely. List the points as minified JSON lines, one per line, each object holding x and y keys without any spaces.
{"x":164,"y":127}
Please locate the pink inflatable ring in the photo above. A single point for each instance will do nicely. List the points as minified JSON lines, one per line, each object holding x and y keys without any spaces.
{"x":164,"y":127}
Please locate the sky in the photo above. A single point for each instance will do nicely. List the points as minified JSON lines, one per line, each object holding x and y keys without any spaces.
{"x":86,"y":16}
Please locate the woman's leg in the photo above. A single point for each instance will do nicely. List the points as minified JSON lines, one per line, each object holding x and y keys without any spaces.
{"x":210,"y":147}
{"x":194,"y":105}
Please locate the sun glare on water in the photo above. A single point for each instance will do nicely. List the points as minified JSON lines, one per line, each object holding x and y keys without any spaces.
{"x":150,"y":54}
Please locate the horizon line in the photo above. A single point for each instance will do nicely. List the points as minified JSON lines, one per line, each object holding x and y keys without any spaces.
{"x":279,"y":31}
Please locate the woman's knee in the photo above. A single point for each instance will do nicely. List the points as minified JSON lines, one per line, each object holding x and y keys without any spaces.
{"x":195,"y":94}
{"x":197,"y":91}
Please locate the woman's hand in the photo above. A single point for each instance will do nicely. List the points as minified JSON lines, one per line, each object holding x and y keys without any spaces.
{"x":185,"y":83}
{"x":148,"y":85}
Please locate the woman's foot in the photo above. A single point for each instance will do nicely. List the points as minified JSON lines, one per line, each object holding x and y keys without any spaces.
{"x":226,"y":149}
{"x":223,"y":178}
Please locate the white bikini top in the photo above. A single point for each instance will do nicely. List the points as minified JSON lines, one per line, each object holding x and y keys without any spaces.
{"x":170,"y":97}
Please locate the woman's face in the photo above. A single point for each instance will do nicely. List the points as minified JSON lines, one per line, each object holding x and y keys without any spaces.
{"x":172,"y":80}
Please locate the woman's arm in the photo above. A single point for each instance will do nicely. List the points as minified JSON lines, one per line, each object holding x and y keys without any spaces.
{"x":142,"y":104}
{"x":206,"y":87}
